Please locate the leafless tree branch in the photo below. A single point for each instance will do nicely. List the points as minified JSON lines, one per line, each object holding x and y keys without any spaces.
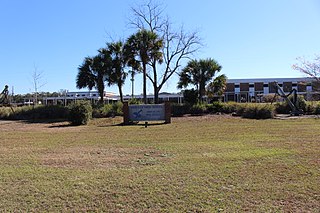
{"x":310,"y":68}
{"x":177,"y":45}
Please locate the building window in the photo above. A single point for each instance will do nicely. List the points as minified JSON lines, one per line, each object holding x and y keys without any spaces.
{"x":302,"y":87}
{"x":272,"y":87}
{"x":258,"y":86}
{"x":230,"y":87}
{"x":287,"y":86}
{"x":315,"y":86}
{"x":244,"y":87}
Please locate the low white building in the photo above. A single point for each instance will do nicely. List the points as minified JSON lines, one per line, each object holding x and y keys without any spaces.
{"x":70,"y":97}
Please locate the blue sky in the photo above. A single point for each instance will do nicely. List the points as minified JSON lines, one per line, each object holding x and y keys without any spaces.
{"x":249,"y":38}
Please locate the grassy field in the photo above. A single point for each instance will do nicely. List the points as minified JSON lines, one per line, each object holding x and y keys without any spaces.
{"x":195,"y":164}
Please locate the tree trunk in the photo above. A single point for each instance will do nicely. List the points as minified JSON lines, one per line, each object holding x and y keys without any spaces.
{"x":155,"y":83}
{"x":120,"y":92}
{"x":144,"y":83}
{"x":101,"y":97}
{"x":201,"y":91}
{"x":101,"y":90}
{"x":156,"y":94}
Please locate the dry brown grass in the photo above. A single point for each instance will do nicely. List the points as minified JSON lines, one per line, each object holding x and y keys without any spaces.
{"x":100,"y":158}
{"x":196,"y":164}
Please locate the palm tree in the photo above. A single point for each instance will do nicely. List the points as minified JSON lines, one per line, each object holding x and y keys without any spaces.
{"x":132,"y":74}
{"x":217,"y":86}
{"x":198,"y":73}
{"x":116,"y":74}
{"x":92,"y":73}
{"x":143,"y":47}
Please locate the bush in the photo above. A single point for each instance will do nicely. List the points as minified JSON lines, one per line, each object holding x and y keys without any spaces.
{"x":310,"y":107}
{"x":190,"y":97}
{"x":107,"y":110}
{"x":316,"y":110}
{"x":198,"y":109}
{"x":284,"y":107}
{"x":215,"y":107}
{"x":233,"y":107}
{"x":117,"y":108}
{"x":34,"y":112}
{"x":5,"y":112}
{"x":258,"y":111}
{"x":134,"y":101}
{"x":180,"y":109}
{"x":80,"y":113}
{"x":270,"y":98}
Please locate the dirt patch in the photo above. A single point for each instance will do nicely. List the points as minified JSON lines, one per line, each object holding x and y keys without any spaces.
{"x":95,"y":158}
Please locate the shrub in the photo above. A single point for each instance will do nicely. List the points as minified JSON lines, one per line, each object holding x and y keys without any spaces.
{"x":80,"y":113}
{"x":310,"y":107}
{"x":34,"y":112}
{"x":117,"y":108}
{"x":316,"y":110}
{"x":258,"y":111}
{"x":49,"y":112}
{"x":107,"y":110}
{"x":134,"y":101}
{"x":229,"y":107}
{"x":5,"y":112}
{"x":284,"y":108}
{"x":233,"y":107}
{"x":215,"y":107}
{"x":269,"y":98}
{"x":180,"y":109}
{"x":190,"y":97}
{"x":198,"y":109}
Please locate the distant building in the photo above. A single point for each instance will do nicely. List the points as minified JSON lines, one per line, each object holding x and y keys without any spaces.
{"x":70,"y":97}
{"x":238,"y":90}
{"x":253,"y":89}
{"x":171,"y":97}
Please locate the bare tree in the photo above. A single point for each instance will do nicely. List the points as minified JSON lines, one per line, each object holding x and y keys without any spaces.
{"x":37,"y":81}
{"x":177,"y":44}
{"x":310,"y":68}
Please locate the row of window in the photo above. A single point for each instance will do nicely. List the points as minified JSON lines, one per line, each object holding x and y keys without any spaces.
{"x":260,"y":86}
{"x":83,"y":95}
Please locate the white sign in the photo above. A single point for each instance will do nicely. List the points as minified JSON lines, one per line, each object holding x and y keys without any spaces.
{"x":146,"y":112}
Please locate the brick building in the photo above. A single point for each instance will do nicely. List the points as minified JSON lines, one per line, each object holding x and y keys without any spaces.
{"x":253,"y":89}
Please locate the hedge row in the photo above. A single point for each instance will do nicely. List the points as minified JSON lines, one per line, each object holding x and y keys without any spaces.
{"x":83,"y":110}
{"x":250,"y":110}
{"x":34,"y":112}
{"x":77,"y":113}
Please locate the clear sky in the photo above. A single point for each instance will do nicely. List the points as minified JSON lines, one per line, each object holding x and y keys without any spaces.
{"x":249,"y":38}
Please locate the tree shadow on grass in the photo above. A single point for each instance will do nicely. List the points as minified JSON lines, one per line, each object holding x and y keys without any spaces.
{"x":141,"y":124}
{"x":43,"y":121}
{"x":62,"y":125}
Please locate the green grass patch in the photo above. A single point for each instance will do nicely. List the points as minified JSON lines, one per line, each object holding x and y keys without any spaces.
{"x":195,"y":164}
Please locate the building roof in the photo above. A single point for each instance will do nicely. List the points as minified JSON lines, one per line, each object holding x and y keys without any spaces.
{"x":267,"y":80}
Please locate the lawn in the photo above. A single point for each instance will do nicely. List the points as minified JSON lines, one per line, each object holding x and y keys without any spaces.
{"x":195,"y":164}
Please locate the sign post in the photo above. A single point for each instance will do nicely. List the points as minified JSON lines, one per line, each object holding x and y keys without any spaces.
{"x":146,"y":112}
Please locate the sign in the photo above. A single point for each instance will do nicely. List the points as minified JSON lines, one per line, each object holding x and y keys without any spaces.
{"x":147,"y":112}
